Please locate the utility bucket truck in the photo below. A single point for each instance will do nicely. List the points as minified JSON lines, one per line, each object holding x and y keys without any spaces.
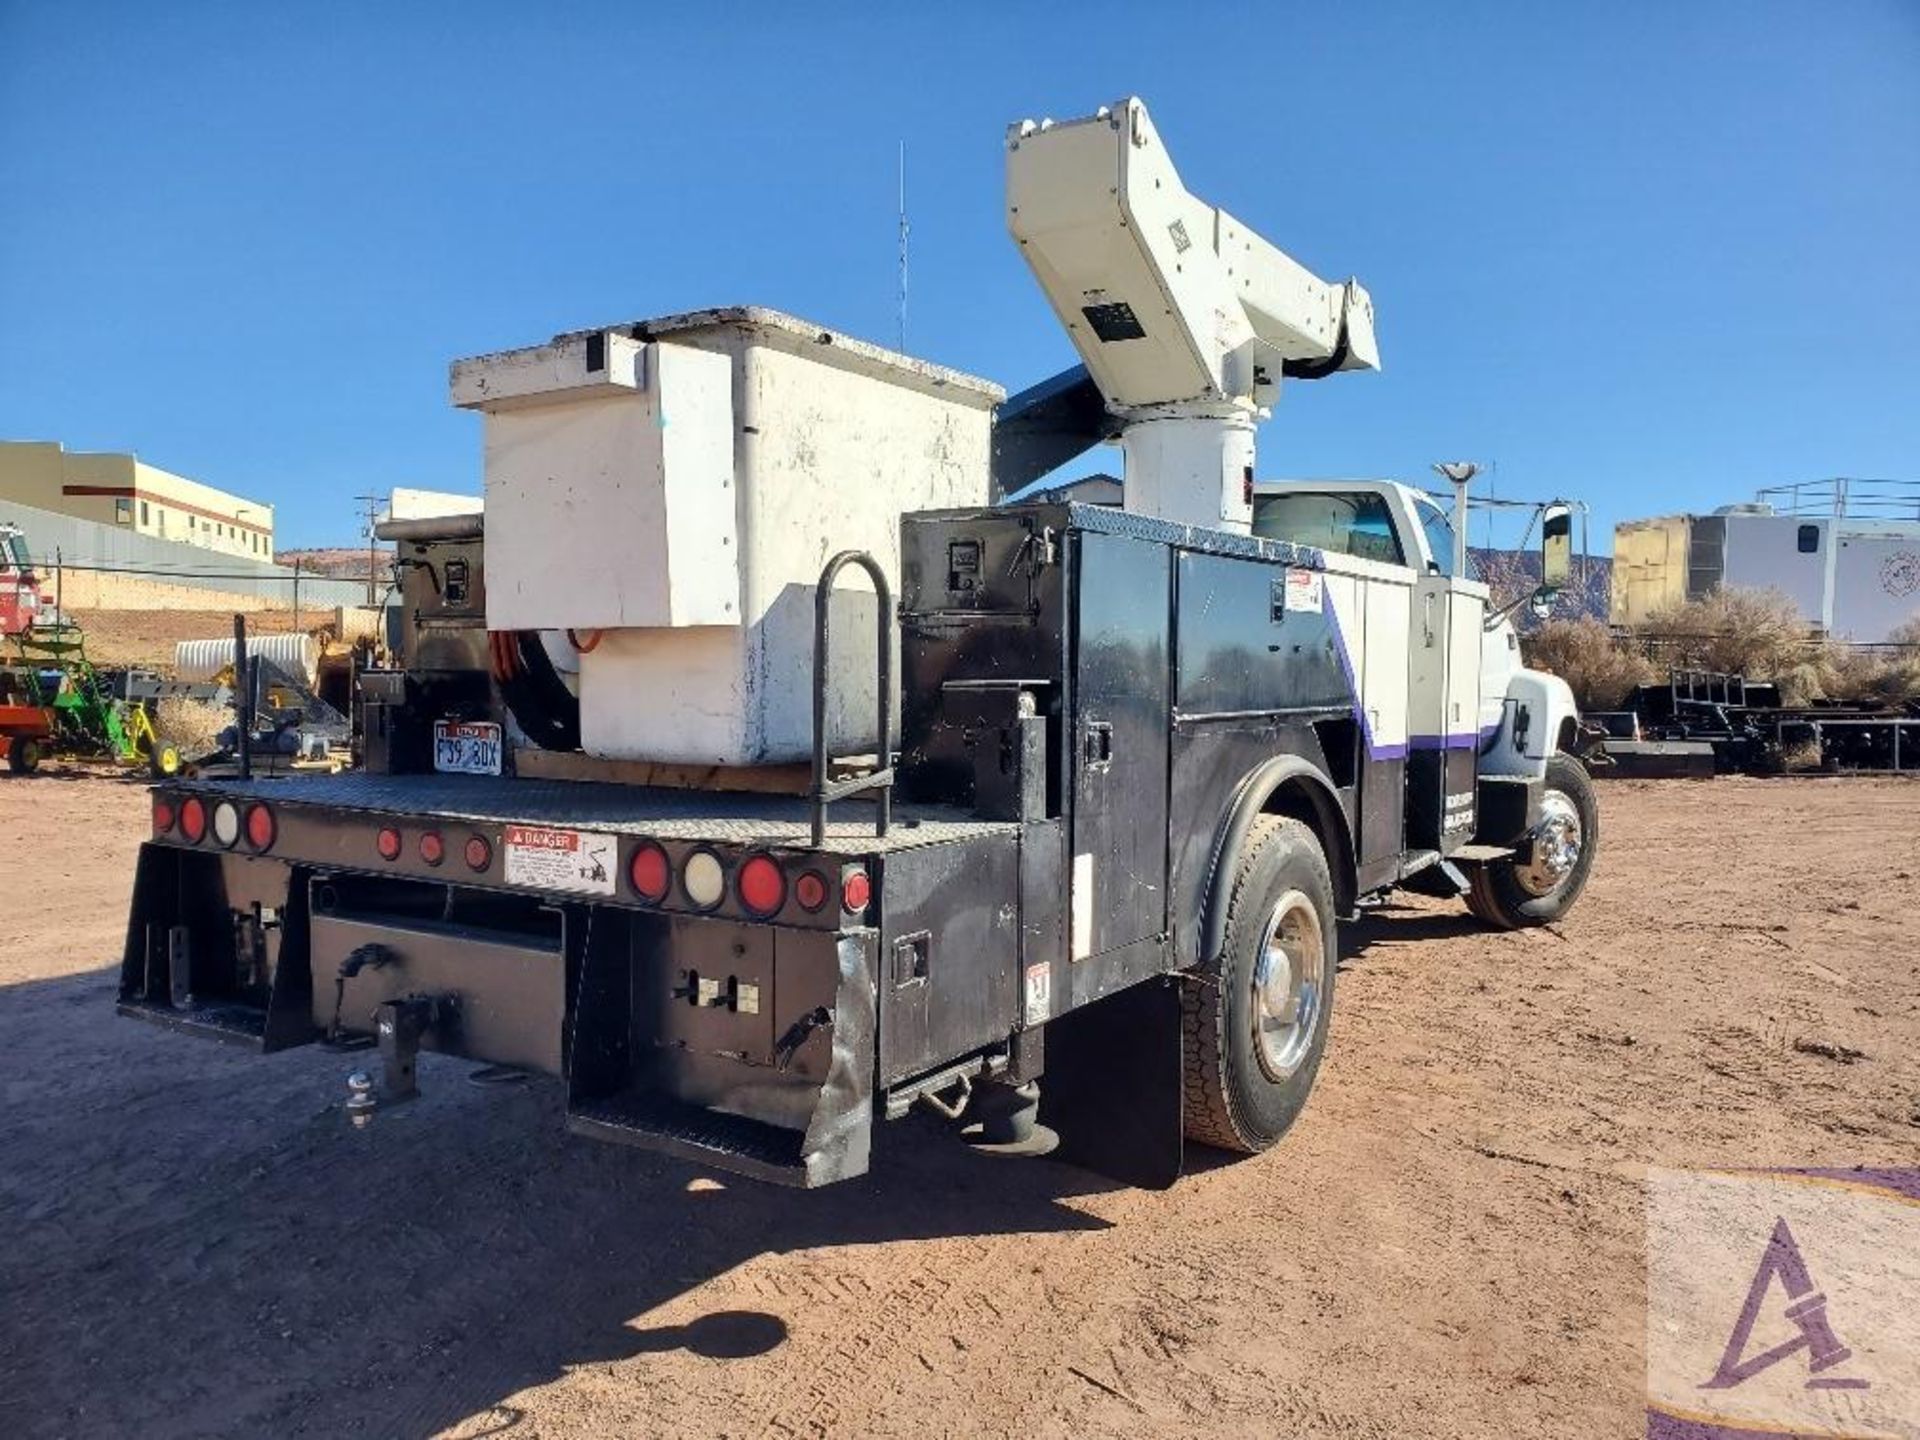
{"x":765,"y":774}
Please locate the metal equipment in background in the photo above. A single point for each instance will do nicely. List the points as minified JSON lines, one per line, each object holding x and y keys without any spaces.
{"x":1751,"y":730}
{"x":44,"y":668}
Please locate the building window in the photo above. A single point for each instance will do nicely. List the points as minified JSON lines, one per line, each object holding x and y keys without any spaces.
{"x":1809,"y":539}
{"x":144,"y":521}
{"x":123,"y":512}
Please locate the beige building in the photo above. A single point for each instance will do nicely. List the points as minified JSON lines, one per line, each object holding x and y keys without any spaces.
{"x":123,"y":490}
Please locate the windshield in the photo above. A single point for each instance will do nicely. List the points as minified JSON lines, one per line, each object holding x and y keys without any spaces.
{"x":13,"y":548}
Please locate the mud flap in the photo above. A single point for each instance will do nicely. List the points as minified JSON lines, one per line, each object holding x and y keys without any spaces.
{"x":217,"y":946}
{"x":624,"y":1086}
{"x":1113,"y":1086}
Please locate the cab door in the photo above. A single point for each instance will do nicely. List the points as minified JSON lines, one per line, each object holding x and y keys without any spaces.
{"x":1443,"y":692}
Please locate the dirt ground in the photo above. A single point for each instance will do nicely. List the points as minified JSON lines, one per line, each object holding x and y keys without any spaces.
{"x":193,"y":1242}
{"x":147,"y":637}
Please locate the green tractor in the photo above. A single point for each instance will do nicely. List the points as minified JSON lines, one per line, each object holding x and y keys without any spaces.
{"x":49,"y":668}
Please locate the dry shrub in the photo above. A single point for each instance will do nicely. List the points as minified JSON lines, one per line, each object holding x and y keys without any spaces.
{"x":1756,"y":633}
{"x":1803,"y":757}
{"x":1584,"y":654}
{"x":192,"y":726}
{"x":1760,"y":634}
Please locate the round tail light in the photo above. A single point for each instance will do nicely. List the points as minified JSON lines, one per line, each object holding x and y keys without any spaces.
{"x":260,"y":828}
{"x":704,"y":879}
{"x":193,"y":819}
{"x":856,"y":890}
{"x":432,"y":848}
{"x":763,"y":889}
{"x":163,"y":817}
{"x":479,"y":852}
{"x":810,"y":890}
{"x":651,"y":873}
{"x":226,"y":823}
{"x":388,"y":844}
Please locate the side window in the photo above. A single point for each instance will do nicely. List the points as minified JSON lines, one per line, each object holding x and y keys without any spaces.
{"x":1439,"y":530}
{"x":1809,"y":539}
{"x":1349,"y":523}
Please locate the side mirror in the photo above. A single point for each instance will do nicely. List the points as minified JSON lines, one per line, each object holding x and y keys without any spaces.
{"x":1556,"y":547}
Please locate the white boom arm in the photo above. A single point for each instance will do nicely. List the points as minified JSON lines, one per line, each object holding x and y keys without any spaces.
{"x":1186,"y":319}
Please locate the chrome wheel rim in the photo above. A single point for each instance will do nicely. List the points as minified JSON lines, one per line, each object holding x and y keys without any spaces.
{"x":1289,"y":986}
{"x":1557,"y":841}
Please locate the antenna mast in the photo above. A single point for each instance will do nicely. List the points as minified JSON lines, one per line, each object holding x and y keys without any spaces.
{"x":900,"y":342}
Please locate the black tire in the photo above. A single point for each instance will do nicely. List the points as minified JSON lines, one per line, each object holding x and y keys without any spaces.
{"x":1234,"y":1098}
{"x":1500,"y":893}
{"x":23,"y":755}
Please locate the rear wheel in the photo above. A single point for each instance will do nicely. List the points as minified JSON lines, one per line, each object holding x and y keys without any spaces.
{"x":23,"y":755}
{"x":1256,"y":1015}
{"x":1540,"y":884}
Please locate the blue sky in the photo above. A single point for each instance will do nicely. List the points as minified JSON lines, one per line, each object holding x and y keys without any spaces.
{"x":1650,"y":255}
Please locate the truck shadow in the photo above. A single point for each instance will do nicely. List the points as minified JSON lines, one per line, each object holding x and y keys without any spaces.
{"x":198,"y":1243}
{"x":1397,"y":923}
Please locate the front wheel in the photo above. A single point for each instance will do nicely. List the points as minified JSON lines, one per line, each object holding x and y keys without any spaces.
{"x":1539,"y":884}
{"x":1256,"y":1015}
{"x":23,"y":755}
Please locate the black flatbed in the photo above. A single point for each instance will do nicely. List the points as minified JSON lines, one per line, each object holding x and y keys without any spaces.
{"x":722,"y":817}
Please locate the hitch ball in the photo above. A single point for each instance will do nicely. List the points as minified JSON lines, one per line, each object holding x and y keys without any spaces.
{"x":361,"y":1101}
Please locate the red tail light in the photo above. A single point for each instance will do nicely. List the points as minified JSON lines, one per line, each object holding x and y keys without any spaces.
{"x":810,"y":890}
{"x":479,"y":852}
{"x":260,"y":828}
{"x":388,"y":843}
{"x":651,"y":873}
{"x":432,"y":848}
{"x":162,"y":816}
{"x":193,"y":819}
{"x":856,"y":890}
{"x":763,"y":889}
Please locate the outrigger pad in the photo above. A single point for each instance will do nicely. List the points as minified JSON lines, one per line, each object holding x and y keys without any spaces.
{"x":1113,"y":1086}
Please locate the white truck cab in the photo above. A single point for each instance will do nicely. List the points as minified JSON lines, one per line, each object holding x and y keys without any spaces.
{"x":1469,"y":711}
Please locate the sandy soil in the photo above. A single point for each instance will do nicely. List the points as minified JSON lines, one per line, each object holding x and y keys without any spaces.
{"x":1450,"y":1243}
{"x":147,"y":637}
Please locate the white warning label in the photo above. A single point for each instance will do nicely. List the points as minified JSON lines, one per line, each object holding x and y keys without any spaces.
{"x":1303,"y":589}
{"x":573,"y":860}
{"x":1039,"y":995}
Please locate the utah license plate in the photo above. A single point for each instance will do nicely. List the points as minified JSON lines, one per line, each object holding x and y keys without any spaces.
{"x":466,"y":747}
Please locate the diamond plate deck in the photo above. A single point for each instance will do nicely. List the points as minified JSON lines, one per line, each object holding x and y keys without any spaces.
{"x":724,"y":819}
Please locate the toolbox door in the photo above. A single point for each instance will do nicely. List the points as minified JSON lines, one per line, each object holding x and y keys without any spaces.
{"x":1443,"y":687}
{"x":1120,"y":713}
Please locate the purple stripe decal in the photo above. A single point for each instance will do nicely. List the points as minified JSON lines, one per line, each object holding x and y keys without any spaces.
{"x":1374,"y":751}
{"x":1469,"y":741}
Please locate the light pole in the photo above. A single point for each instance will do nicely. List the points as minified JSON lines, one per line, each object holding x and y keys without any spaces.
{"x":1461,"y":473}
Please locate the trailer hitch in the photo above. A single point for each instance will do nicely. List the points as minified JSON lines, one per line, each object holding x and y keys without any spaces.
{"x":399,"y":1025}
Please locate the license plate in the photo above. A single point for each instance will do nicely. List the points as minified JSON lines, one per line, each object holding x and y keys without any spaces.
{"x":578,"y":861}
{"x":466,"y":747}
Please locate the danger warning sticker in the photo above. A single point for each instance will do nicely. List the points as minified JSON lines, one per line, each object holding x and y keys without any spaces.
{"x":574,"y":860}
{"x":1303,"y":590}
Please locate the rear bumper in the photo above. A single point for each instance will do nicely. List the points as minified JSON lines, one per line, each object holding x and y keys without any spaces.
{"x":746,"y":1046}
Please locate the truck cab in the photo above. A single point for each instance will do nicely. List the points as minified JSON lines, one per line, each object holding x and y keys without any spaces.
{"x":19,"y":586}
{"x":1481,"y":729}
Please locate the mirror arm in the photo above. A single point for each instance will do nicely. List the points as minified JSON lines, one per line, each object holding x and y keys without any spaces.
{"x":1498,"y":617}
